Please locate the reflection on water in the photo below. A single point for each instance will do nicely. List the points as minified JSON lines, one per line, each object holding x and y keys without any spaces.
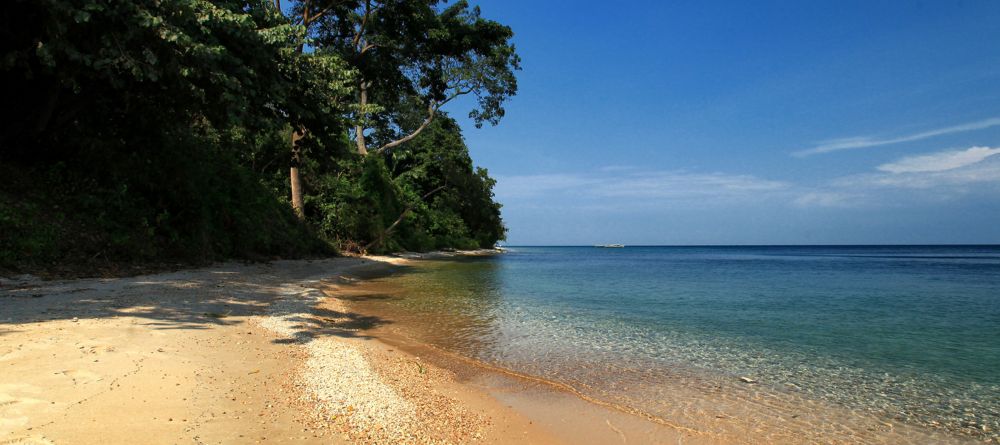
{"x":854,"y":346}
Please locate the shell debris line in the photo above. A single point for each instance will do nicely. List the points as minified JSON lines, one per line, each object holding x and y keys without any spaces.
{"x":336,"y":375}
{"x":370,"y":395}
{"x":345,"y":387}
{"x":441,"y":419}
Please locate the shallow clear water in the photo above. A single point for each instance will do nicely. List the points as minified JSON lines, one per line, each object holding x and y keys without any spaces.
{"x":906,"y":335}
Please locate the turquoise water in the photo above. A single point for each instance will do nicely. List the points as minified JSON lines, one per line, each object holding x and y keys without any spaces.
{"x":908,"y":335}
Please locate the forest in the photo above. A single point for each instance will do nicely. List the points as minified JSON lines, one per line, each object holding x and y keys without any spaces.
{"x":187,"y":131}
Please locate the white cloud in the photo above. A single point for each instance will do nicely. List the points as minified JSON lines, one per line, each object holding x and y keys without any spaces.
{"x":941,"y":175}
{"x":957,"y":179}
{"x":534,"y":185}
{"x":826,"y":199}
{"x":618,"y":168}
{"x":852,"y":143}
{"x":681,"y":185}
{"x":636,"y":184}
{"x":937,"y":176}
{"x":948,"y":172}
{"x":940,"y":161}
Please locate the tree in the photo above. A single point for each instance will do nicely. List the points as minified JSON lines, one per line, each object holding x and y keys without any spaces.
{"x":410,"y":50}
{"x":304,"y":13}
{"x":88,"y":66}
{"x":437,"y":165}
{"x":133,"y":114}
{"x":161,"y":127}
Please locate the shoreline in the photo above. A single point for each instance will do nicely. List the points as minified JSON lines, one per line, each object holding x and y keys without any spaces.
{"x":274,"y":353}
{"x":236,"y":353}
{"x":547,"y":411}
{"x":566,"y":414}
{"x":748,"y":413}
{"x":577,"y":417}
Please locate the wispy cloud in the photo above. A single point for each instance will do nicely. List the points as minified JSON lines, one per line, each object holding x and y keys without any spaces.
{"x":827,"y":199}
{"x":938,"y":176}
{"x":940,"y":161}
{"x":853,"y":143}
{"x":949,"y":172}
{"x":618,"y":168}
{"x":636,"y":184}
{"x":955,"y":180}
{"x":536,"y":185}
{"x":680,"y":185}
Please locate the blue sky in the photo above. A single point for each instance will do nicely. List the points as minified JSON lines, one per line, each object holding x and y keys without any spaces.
{"x":737,"y":123}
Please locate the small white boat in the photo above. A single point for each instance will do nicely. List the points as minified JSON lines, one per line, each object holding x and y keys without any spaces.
{"x":610,"y":245}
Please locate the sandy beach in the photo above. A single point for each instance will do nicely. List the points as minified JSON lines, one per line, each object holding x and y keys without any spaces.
{"x":499,"y":222}
{"x":260,"y":353}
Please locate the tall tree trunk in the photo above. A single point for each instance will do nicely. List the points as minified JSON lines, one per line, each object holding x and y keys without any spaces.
{"x":359,"y":129}
{"x":297,"y":134}
{"x":293,"y":175}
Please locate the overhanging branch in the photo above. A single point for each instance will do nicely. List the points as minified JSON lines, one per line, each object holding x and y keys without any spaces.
{"x":432,"y":110}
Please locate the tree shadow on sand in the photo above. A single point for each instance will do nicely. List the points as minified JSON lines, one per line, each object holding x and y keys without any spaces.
{"x":321,"y":322}
{"x":223,"y":295}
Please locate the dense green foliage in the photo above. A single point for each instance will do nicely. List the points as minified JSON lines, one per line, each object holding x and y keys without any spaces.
{"x":462,"y":213}
{"x":160,"y":130}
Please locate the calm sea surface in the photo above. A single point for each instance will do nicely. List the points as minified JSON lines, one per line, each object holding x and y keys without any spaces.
{"x":858,"y":343}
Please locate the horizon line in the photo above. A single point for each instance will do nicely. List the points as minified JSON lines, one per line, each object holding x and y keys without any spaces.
{"x":769,"y":245}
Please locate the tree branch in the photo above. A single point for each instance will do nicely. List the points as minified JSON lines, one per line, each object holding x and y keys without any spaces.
{"x":305,"y":14}
{"x":432,"y":110}
{"x":322,"y":12}
{"x":356,"y":42}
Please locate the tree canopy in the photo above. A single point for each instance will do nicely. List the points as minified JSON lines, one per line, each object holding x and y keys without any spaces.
{"x":413,"y":51}
{"x":164,"y":129}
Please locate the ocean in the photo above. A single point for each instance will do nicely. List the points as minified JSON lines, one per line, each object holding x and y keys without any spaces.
{"x":864,"y":344}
